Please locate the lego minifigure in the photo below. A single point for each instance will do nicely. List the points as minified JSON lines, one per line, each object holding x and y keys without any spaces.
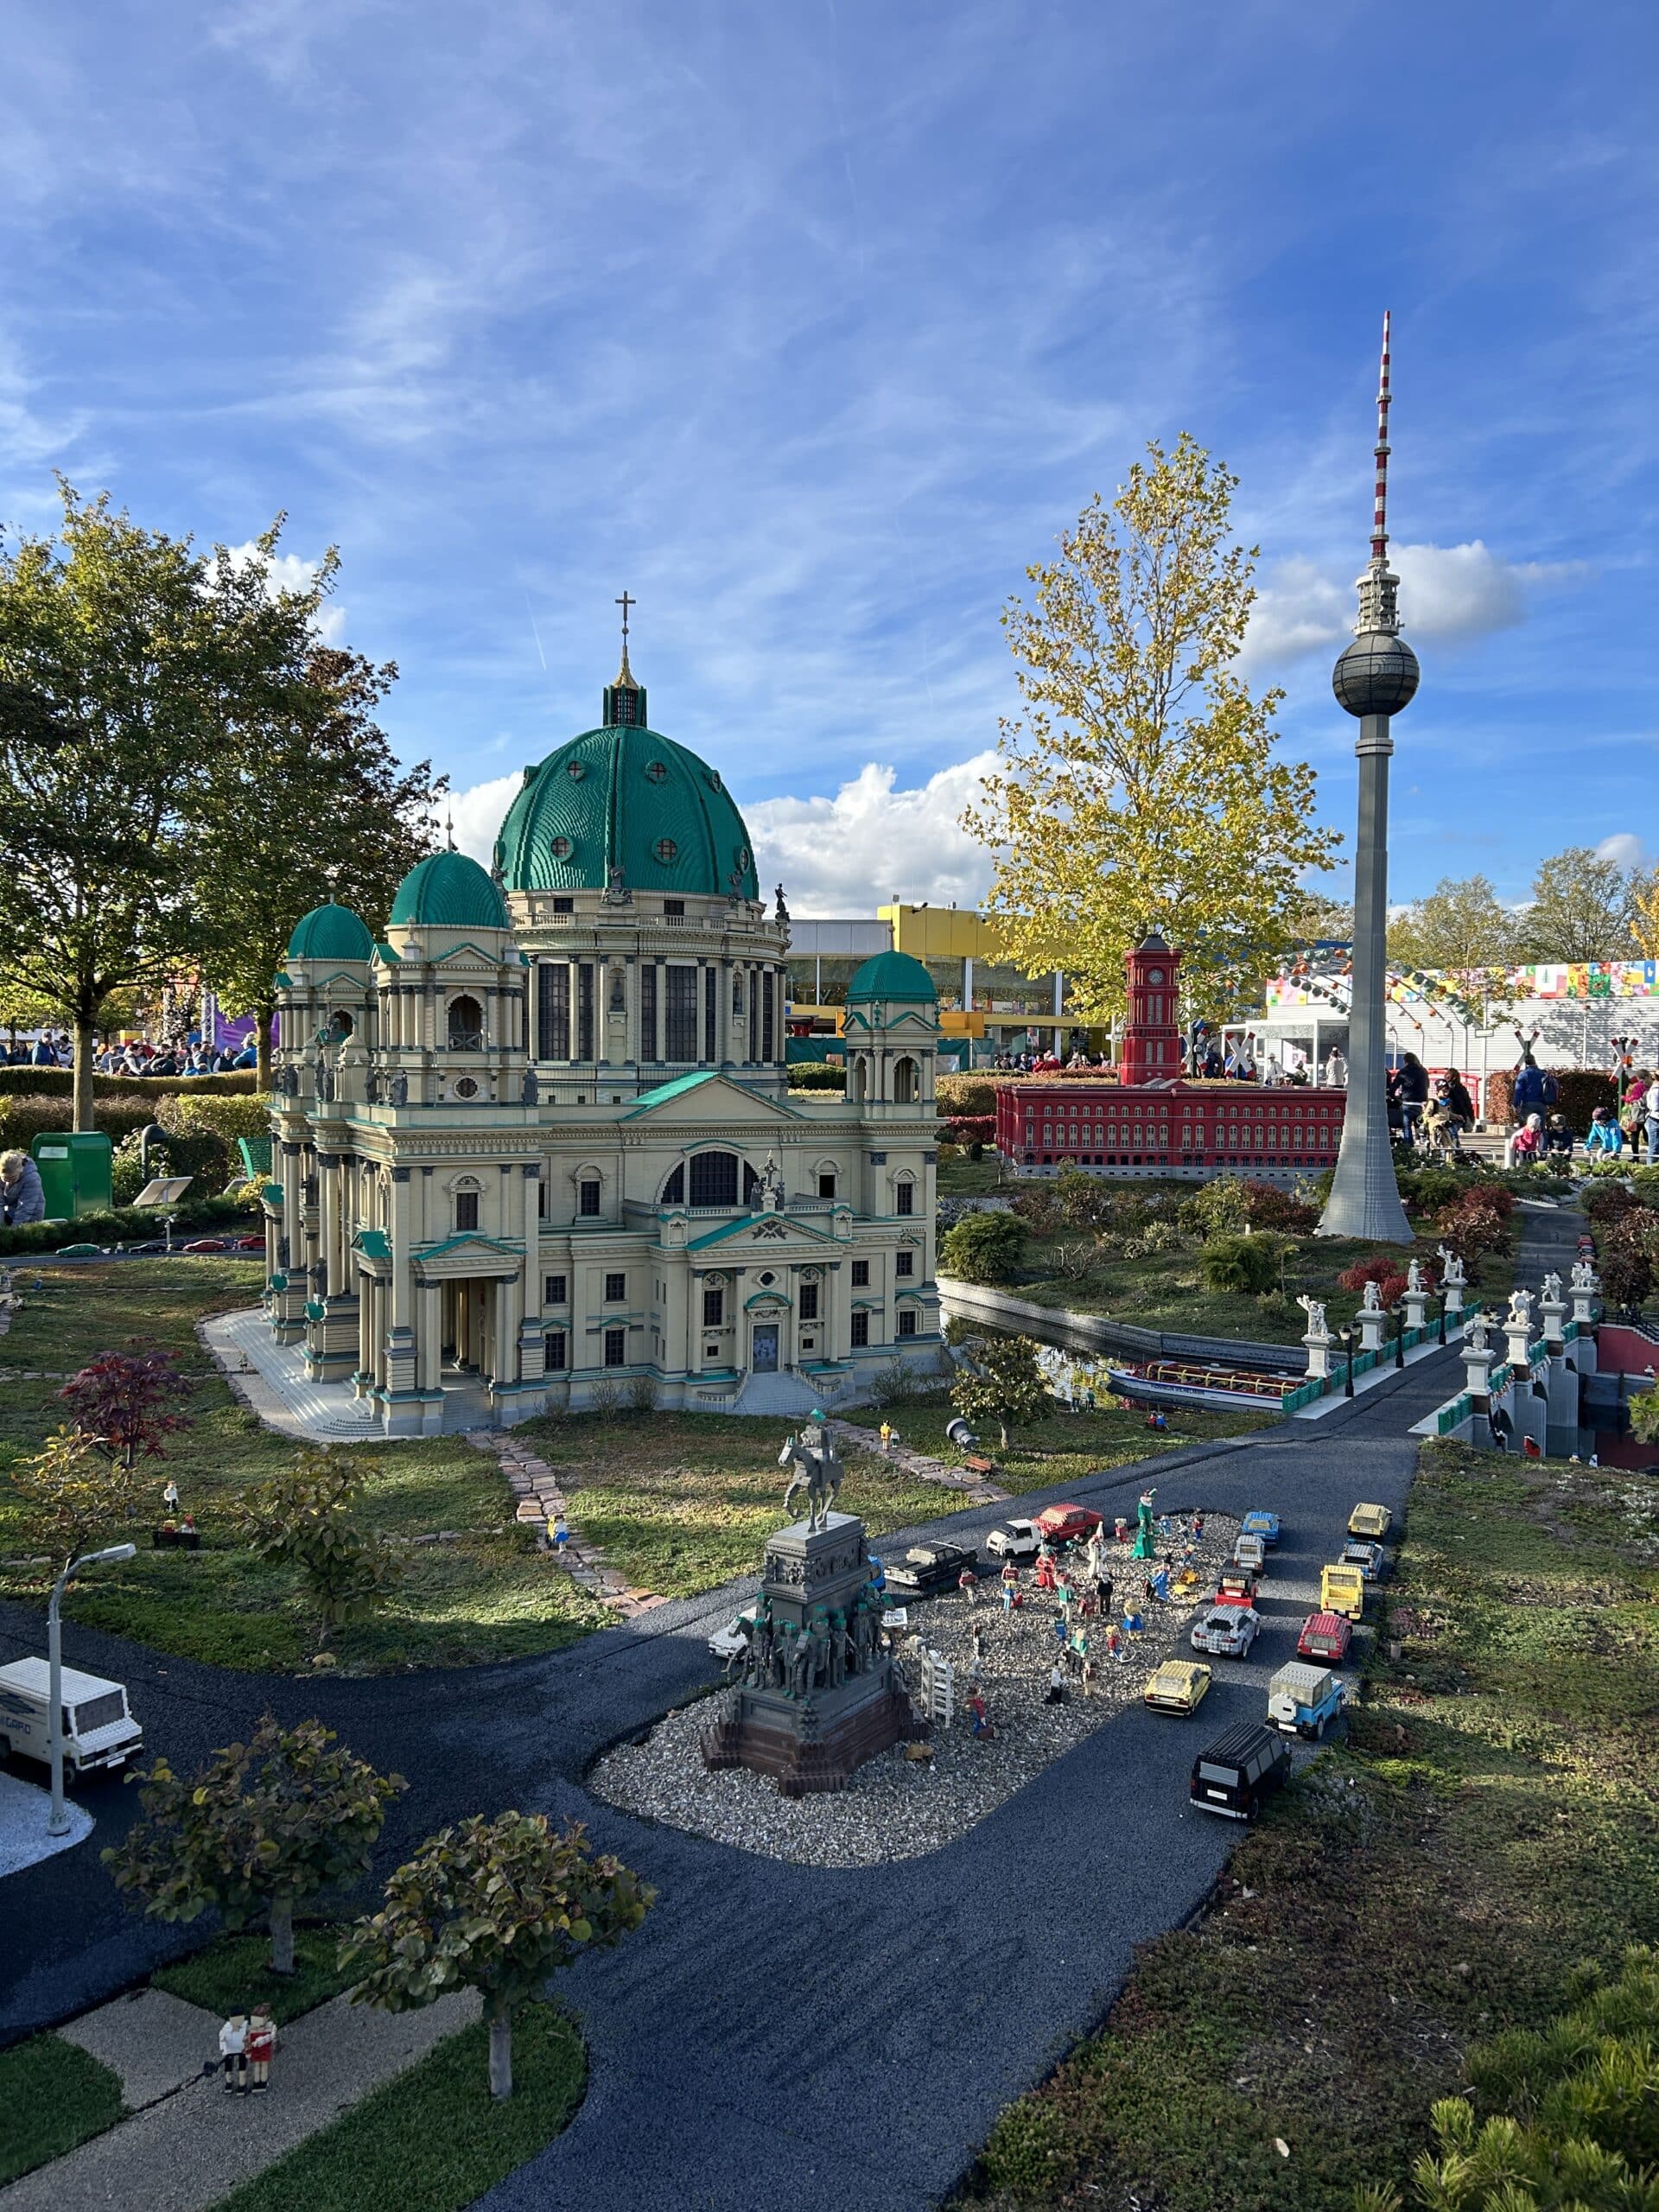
{"x":886,"y":1439}
{"x":262,"y":2041}
{"x":1055,"y":1694}
{"x":233,"y":2052}
{"x":979,"y":1714}
{"x":968,"y":1583}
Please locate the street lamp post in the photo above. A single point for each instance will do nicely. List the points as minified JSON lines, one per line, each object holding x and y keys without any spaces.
{"x":58,"y":1824}
{"x":1347,"y":1336}
{"x":1400,"y":1332}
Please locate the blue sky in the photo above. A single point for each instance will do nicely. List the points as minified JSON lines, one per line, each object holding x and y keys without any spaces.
{"x":812,"y":323}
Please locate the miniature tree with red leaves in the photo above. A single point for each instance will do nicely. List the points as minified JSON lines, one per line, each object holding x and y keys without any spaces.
{"x":128,"y":1402}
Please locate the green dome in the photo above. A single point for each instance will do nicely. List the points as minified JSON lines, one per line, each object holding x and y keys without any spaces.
{"x":450,"y":892}
{"x":624,"y":797}
{"x":330,"y":932}
{"x":891,"y":976}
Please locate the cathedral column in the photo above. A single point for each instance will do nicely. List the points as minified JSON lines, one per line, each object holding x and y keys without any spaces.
{"x":328,"y":1208}
{"x":398,"y":1238}
{"x":694,"y":1317}
{"x":429,"y":1363}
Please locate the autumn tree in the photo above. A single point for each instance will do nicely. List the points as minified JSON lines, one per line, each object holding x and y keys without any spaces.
{"x":127,"y":1404}
{"x":264,"y":1825}
{"x":1002,"y":1381}
{"x":1582,"y":909}
{"x":306,"y":801}
{"x":1141,"y":788}
{"x":1644,"y":914}
{"x":73,"y":1492}
{"x":496,"y":1906}
{"x":306,"y":1518}
{"x":1461,"y":926}
{"x":130,"y":661}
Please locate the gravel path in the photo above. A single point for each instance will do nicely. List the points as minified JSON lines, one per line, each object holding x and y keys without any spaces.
{"x":898,"y":1808}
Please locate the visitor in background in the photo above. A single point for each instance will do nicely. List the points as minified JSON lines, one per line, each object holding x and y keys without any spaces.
{"x":22,"y":1198}
{"x":1414,"y":1094}
{"x":1455,"y":1091}
{"x":1527,"y":1145}
{"x":1604,"y":1139}
{"x":1650,"y":1104}
{"x":1559,"y":1139}
{"x":45,"y":1053}
{"x":1527,"y":1090}
{"x":1336,"y":1070}
{"x":1632,"y":1107}
{"x":249,"y":1055}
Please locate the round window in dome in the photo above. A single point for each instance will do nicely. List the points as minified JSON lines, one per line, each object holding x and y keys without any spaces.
{"x":575,"y":770}
{"x":665,"y":849}
{"x":743,"y":856}
{"x":657,"y":771}
{"x":713,"y":775}
{"x":561,"y":848}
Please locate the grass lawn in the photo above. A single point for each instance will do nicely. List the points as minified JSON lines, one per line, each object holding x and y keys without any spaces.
{"x":961,"y":1178}
{"x":1492,"y":1820}
{"x":487,"y":1596}
{"x":53,"y":2095}
{"x":1066,"y":1446}
{"x":228,"y":1974}
{"x":1166,"y":1290}
{"x":433,"y":2140}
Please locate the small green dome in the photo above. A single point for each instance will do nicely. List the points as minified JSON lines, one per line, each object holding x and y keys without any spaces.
{"x":891,"y":976}
{"x":449,"y":892}
{"x":621,"y":796}
{"x":331,"y":932}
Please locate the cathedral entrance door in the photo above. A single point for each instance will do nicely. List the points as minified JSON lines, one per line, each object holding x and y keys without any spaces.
{"x":765,"y":1351}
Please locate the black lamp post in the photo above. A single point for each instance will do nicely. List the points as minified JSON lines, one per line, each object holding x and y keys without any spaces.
{"x":1440,"y":1330}
{"x":1347,"y":1336}
{"x":1399,"y":1312}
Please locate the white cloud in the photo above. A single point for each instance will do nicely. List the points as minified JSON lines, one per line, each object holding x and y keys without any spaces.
{"x":847,"y":854}
{"x":1625,"y":847}
{"x":479,"y":812}
{"x":1449,"y":593}
{"x":871,"y":843}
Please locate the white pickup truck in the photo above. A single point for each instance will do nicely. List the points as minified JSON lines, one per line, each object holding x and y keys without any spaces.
{"x":99,"y":1729}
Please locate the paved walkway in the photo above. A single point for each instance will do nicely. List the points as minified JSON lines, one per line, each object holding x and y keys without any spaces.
{"x":24,"y":1811}
{"x":271,"y":1380}
{"x":189,"y":2143}
{"x":973,"y":1487}
{"x":540,"y":1500}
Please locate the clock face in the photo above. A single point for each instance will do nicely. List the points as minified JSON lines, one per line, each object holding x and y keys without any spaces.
{"x":1154,"y":975}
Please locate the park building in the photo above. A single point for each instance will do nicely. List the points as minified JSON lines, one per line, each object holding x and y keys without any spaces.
{"x":533,"y":1142}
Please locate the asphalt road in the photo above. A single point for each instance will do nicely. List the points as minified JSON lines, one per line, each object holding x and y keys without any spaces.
{"x":774,"y":2034}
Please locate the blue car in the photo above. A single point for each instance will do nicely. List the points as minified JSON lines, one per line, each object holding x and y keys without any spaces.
{"x":1262,"y":1524}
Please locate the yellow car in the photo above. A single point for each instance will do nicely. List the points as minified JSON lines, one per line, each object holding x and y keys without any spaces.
{"x":1342,"y":1590}
{"x":1177,"y":1687}
{"x":1373,"y":1520}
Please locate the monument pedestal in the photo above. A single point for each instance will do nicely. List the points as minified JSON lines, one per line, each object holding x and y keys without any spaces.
{"x":818,"y":1693}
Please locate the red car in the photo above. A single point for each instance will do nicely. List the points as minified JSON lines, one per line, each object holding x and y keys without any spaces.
{"x":1067,"y":1524}
{"x":1325,"y":1636}
{"x":1236,"y":1585}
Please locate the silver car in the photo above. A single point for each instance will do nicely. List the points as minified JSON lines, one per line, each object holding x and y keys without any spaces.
{"x":1227,"y":1631}
{"x":1015,"y":1540}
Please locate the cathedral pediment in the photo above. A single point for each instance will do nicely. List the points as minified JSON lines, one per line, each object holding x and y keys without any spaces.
{"x":715,"y":1100}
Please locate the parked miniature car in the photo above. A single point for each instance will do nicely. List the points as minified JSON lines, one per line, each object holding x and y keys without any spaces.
{"x":1252,"y":1551}
{"x":1067,"y":1524}
{"x":209,"y":1244}
{"x":728,"y":1641}
{"x":1302,"y":1701}
{"x":100,"y":1730}
{"x":1227,"y":1630}
{"x":1236,"y":1585}
{"x":1177,"y":1686}
{"x":927,"y":1567}
{"x":1342,"y":1590}
{"x":249,"y":1244}
{"x":1374,"y":1520}
{"x":1015,"y":1540}
{"x":1260,"y":1523}
{"x":1369,"y":1559}
{"x":1326,"y":1636}
{"x":1239,"y":1769}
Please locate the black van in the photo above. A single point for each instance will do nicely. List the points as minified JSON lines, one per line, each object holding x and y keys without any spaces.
{"x":1238,"y":1770}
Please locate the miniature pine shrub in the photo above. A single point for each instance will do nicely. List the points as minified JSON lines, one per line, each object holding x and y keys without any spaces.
{"x":985,"y":1248}
{"x":1240,"y":1263}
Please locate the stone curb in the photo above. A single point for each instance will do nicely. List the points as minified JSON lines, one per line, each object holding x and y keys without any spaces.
{"x":539,"y":1500}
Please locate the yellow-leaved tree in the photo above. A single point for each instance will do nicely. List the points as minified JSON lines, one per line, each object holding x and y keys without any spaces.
{"x":1141,"y":788}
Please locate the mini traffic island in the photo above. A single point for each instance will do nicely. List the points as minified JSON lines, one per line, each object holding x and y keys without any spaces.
{"x":1473,"y":1859}
{"x":1000,"y":1687}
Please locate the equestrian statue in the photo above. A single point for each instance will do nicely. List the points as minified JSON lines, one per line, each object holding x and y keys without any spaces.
{"x":818,"y":1471}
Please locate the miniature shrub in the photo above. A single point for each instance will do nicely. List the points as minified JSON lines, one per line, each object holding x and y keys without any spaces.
{"x":1156,"y":1237}
{"x":1272,"y":1208}
{"x":1425,"y":1190}
{"x":198,"y":1218}
{"x":969,"y":1095}
{"x":1243,"y":1263}
{"x":1038,"y":1205}
{"x":1219,"y":1208}
{"x":985,"y":1248}
{"x":971,"y":1128}
{"x":817,"y":1075}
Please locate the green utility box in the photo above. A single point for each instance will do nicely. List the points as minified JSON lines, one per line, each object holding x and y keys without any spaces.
{"x":75,"y":1172}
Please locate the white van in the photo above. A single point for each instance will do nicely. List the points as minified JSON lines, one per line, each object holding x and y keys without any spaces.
{"x":99,"y":1729}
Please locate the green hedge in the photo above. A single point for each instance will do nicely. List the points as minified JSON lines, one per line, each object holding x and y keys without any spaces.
{"x":958,"y":1095}
{"x":817,"y":1075}
{"x":22,"y":1120}
{"x":60,"y":1082}
{"x":127,"y":1225}
{"x":1581,"y":1090}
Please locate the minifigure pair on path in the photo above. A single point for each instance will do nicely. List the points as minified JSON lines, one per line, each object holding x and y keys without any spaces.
{"x":245,"y":2044}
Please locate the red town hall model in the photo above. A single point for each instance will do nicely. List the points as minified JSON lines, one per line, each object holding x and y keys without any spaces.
{"x":1152,"y":1117}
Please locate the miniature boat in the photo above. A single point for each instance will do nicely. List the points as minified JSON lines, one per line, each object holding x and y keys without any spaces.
{"x":1189,"y":1382}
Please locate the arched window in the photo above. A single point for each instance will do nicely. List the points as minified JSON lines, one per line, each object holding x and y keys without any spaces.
{"x":674,"y":1189}
{"x":466,"y":1024}
{"x":907,"y":1083}
{"x":341,"y":1021}
{"x":855,"y":1076}
{"x":714,"y":1179}
{"x":904,"y":1195}
{"x":466,"y":1196}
